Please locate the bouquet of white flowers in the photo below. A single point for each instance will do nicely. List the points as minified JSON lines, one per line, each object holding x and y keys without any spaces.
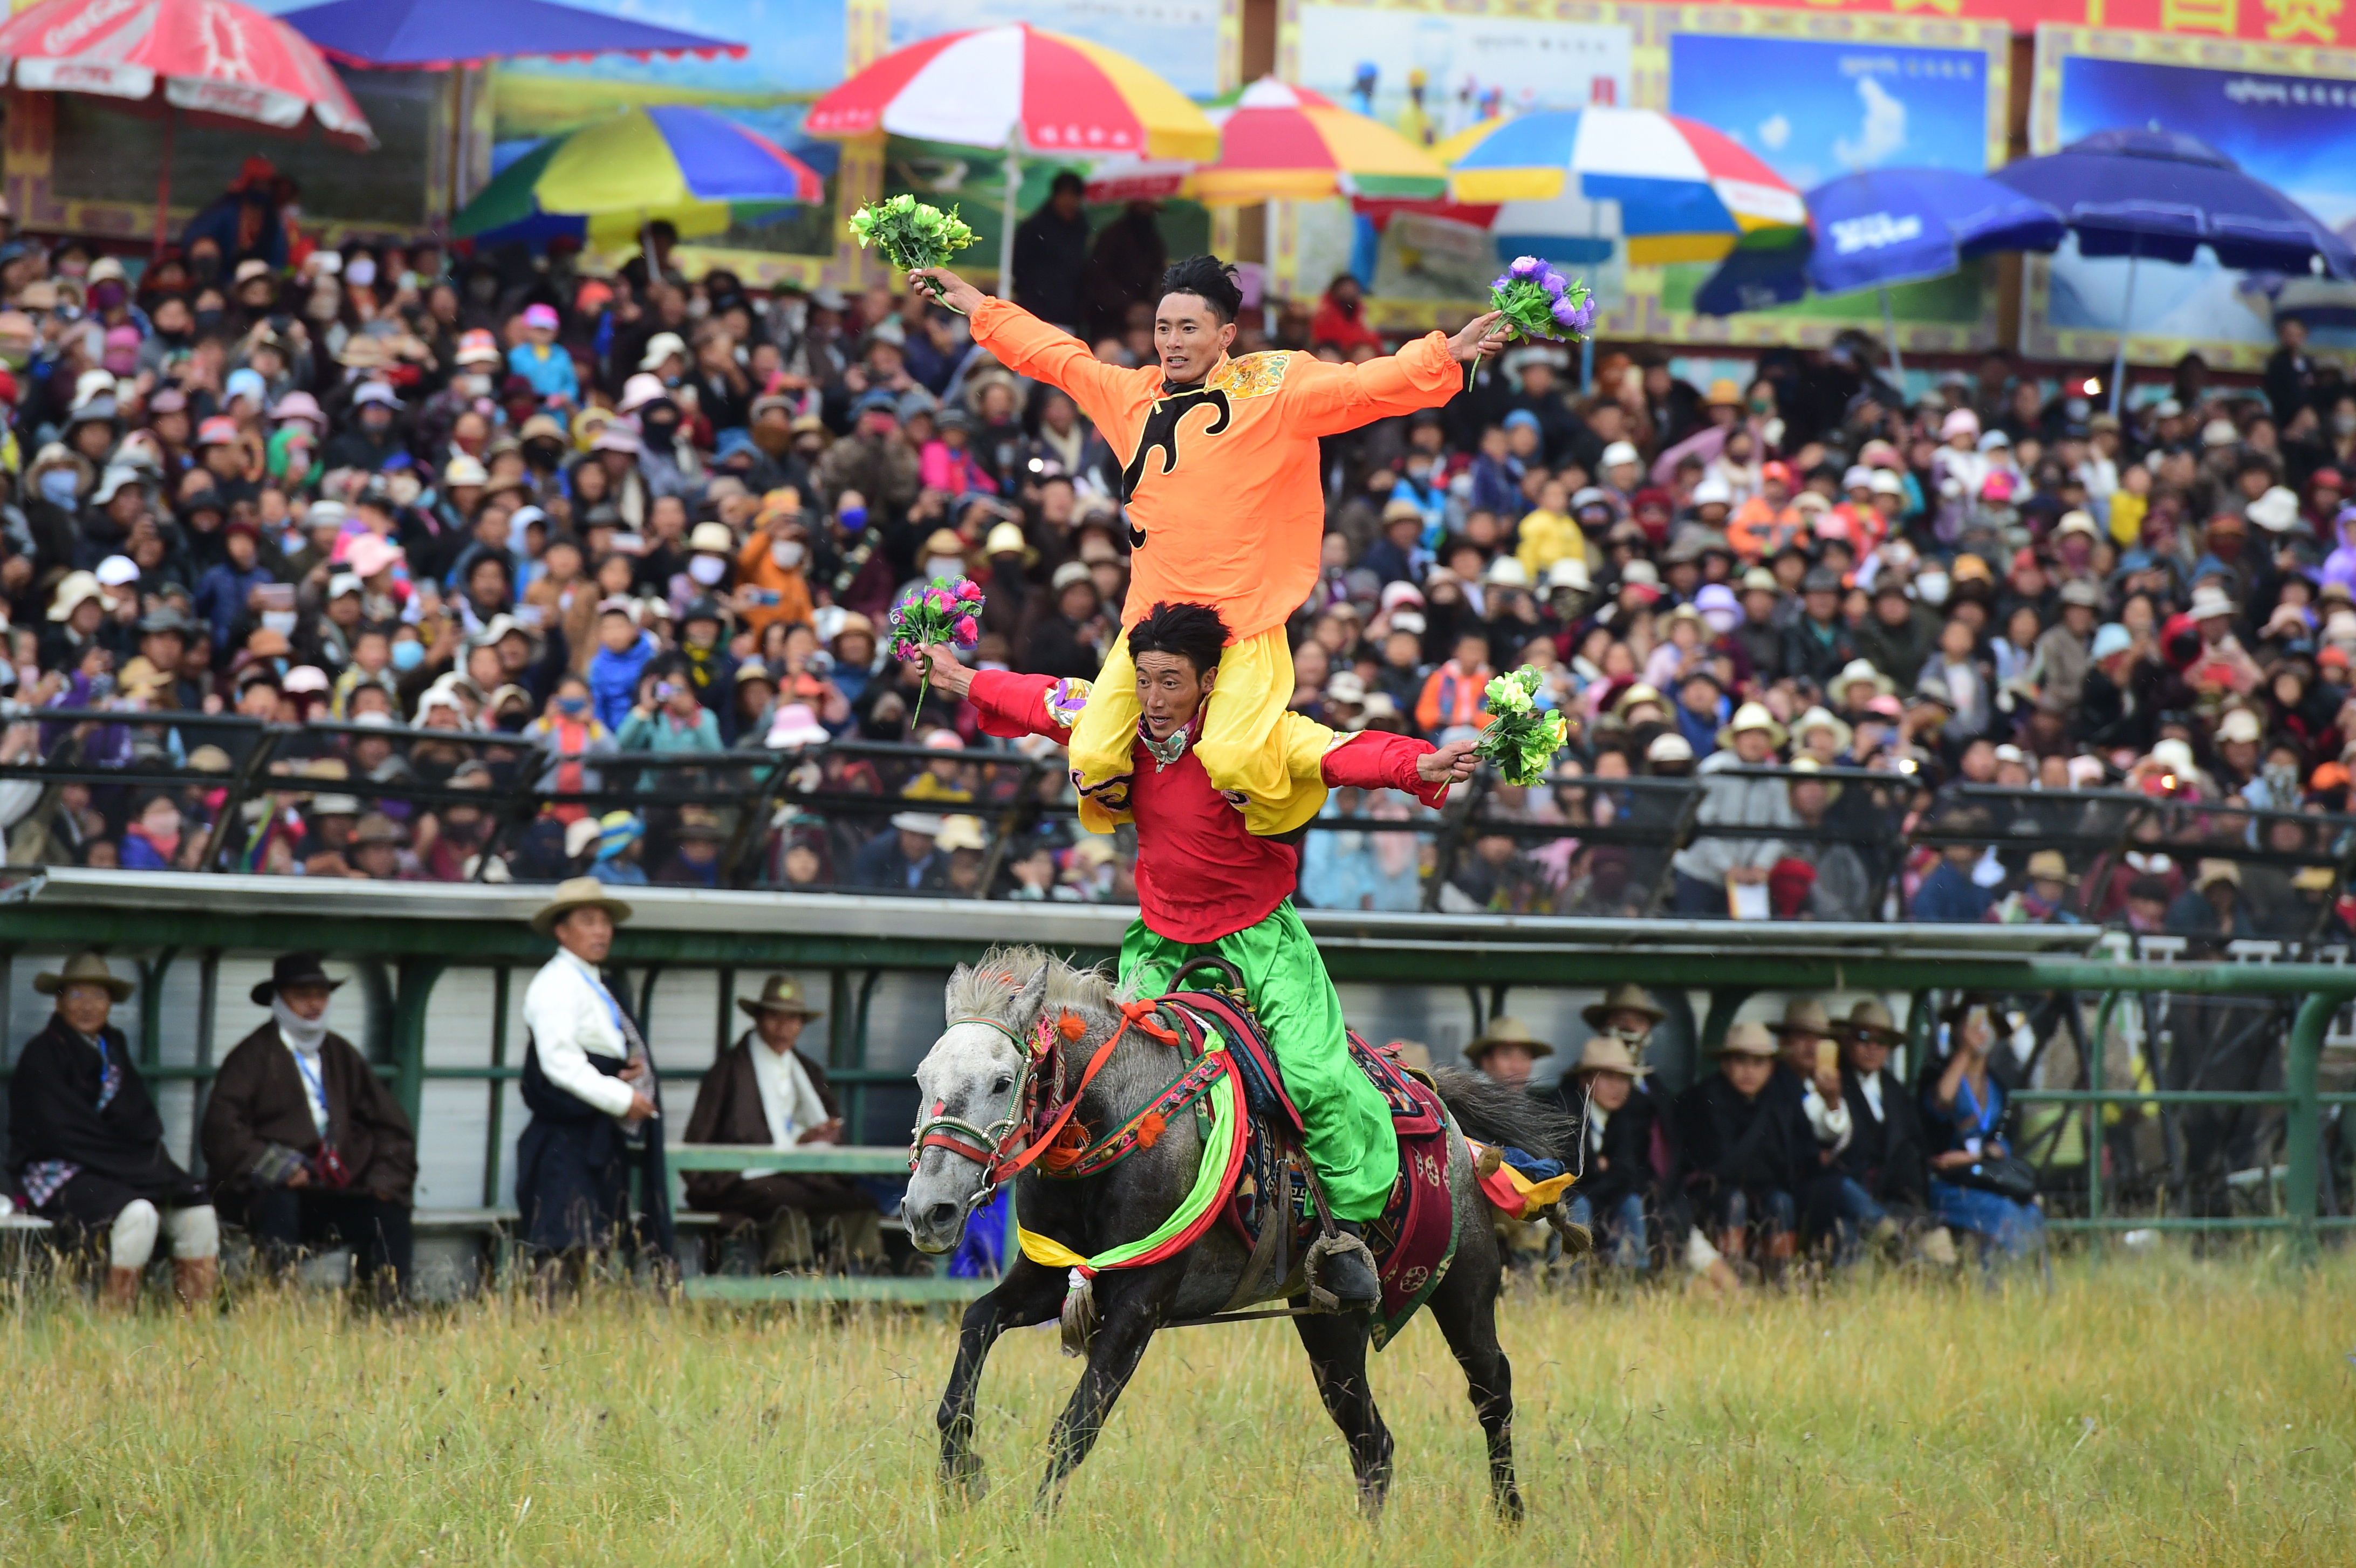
{"x":1521,"y":739}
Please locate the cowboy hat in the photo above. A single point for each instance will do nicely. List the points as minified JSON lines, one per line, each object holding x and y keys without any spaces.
{"x":84,"y":968}
{"x":1625,"y":997}
{"x":578,"y":893}
{"x":1858,"y":670}
{"x":1748,"y":1040}
{"x":1608,"y":1053}
{"x":2047,"y":866}
{"x":292,"y":968}
{"x":1804,"y":1016}
{"x":1750,"y":716}
{"x":1506,"y":1031}
{"x":1869,"y":1020}
{"x":780,"y":993}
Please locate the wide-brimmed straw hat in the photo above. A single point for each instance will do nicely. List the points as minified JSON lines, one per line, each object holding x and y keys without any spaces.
{"x":1609,"y":1053}
{"x":1869,"y":1020}
{"x":1749,"y":716}
{"x":1804,"y":1016}
{"x":578,"y":893}
{"x":1748,"y":1040}
{"x":780,"y":993}
{"x":1506,"y":1031}
{"x":1625,"y":997}
{"x":85,"y":969}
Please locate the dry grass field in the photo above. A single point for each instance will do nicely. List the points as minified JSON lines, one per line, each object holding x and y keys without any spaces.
{"x":2161,"y":1411}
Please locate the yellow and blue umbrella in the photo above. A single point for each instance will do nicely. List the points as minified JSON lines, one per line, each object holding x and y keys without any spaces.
{"x":1686,"y":192}
{"x":692,"y":168}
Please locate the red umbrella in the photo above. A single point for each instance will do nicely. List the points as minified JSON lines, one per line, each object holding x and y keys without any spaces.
{"x":218,"y":61}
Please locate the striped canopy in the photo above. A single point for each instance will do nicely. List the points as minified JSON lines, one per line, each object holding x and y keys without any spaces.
{"x":1686,"y":192}
{"x":1017,"y":84}
{"x":1277,"y":142}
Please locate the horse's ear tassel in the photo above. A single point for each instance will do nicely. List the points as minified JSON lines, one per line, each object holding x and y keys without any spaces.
{"x":1071,"y":1025}
{"x":1148,"y":1128}
{"x":1079,"y":1315}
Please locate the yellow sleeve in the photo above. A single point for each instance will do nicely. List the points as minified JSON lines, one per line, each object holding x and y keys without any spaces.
{"x":1029,"y":346}
{"x":1304,"y":743}
{"x":1320,"y":399}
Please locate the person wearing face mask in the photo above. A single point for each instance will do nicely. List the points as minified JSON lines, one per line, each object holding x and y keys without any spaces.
{"x":771,"y":582}
{"x":372,"y":436}
{"x":710,"y":554}
{"x":308,"y":1144}
{"x":53,"y":489}
{"x":875,"y":459}
{"x":667,"y":462}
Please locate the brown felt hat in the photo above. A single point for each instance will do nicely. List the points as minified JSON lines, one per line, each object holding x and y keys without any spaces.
{"x":84,"y":968}
{"x":1628,"y":997}
{"x":780,"y":993}
{"x":1505,"y":1031}
{"x":1869,"y":1020}
{"x":578,"y":893}
{"x":1804,"y":1016}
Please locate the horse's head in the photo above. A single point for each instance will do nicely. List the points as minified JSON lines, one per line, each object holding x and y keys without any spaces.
{"x":968,"y":1087}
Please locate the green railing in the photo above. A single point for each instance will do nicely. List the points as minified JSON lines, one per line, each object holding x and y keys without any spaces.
{"x":404,"y":939}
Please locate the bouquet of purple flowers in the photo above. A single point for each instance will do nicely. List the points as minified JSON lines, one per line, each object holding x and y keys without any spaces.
{"x":1539,"y":302}
{"x":946,"y":609}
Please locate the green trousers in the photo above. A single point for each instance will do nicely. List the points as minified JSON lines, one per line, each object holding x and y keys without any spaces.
{"x":1347,"y":1123}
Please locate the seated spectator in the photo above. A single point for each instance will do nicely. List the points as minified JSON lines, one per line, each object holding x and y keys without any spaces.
{"x":1628,"y":1193}
{"x":901,"y":857}
{"x":765,"y":1091}
{"x":2213,"y":906}
{"x":1950,"y":892}
{"x":1971,"y":1172}
{"x":87,"y":1143}
{"x":1745,"y":1162}
{"x":1505,"y":1052}
{"x":305,"y":1145}
{"x":1880,"y":1177}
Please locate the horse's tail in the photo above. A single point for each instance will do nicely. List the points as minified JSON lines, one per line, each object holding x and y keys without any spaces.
{"x":1493,"y":1113}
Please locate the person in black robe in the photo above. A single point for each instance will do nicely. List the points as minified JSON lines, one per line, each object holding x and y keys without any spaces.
{"x":1883,"y":1182}
{"x":1742,"y":1155}
{"x":1051,"y":255}
{"x":764,"y":1093}
{"x":305,"y":1144}
{"x":1625,"y":1152}
{"x":87,"y":1141}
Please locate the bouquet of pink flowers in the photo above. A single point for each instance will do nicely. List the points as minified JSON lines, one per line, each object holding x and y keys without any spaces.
{"x":946,"y":609}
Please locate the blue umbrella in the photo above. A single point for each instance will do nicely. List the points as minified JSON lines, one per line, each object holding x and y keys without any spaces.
{"x":2159,"y":194}
{"x":438,"y":35}
{"x":1878,"y":228}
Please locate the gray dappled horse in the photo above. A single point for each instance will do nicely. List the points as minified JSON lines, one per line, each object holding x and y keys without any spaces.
{"x":972,"y":1077}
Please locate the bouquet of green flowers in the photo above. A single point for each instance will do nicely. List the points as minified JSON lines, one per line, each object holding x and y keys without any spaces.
{"x":1520,"y":740}
{"x":946,"y":609}
{"x":1539,"y":302}
{"x":910,"y":233}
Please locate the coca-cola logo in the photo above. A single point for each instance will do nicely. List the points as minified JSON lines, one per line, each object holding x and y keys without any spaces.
{"x":71,"y":34}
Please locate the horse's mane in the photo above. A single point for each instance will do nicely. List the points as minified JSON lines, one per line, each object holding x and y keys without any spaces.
{"x":988,"y":987}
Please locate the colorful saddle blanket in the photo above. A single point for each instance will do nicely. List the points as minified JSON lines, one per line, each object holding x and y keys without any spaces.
{"x":1413,"y":1242}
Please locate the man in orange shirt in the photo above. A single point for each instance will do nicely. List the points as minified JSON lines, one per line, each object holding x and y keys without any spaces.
{"x":1225,"y":505}
{"x":770,"y":569}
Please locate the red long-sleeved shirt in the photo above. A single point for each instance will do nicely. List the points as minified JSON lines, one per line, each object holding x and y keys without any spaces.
{"x":1200,"y":874}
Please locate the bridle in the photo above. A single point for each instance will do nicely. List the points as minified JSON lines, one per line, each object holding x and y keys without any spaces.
{"x":993,"y":1147}
{"x":988,"y":1147}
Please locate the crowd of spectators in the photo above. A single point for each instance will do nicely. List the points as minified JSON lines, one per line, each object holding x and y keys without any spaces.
{"x":561,"y":519}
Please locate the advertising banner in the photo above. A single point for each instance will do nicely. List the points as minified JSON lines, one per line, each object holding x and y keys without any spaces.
{"x":1819,"y":97}
{"x":2286,"y":116}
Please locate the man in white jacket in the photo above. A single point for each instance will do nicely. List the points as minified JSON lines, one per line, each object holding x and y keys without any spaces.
{"x":590,"y":1085}
{"x":1706,"y":866}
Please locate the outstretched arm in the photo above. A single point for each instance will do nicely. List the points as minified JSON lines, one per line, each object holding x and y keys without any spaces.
{"x":1331,"y":399}
{"x":1029,"y":346}
{"x":1011,"y":706}
{"x":1374,"y":759}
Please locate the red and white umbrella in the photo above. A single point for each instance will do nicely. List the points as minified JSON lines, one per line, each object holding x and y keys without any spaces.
{"x":217,"y":60}
{"x":1023,"y":88}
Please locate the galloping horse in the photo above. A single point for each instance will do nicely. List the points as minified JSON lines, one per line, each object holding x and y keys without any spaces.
{"x":974,"y":1082}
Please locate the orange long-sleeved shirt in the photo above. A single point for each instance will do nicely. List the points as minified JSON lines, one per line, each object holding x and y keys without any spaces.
{"x":1227,"y":506}
{"x":756,"y":569}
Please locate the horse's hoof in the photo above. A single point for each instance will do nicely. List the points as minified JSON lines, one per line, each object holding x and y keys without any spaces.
{"x":966,"y":1480}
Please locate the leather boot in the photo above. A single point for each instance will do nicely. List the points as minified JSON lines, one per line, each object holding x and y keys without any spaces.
{"x":195,"y":1280}
{"x":1347,"y":1275}
{"x":1732,"y":1243}
{"x":121,"y":1291}
{"x":1782,"y":1248}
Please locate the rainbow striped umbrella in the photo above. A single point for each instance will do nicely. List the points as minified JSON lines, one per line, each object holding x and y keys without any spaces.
{"x":690,"y":166}
{"x":1023,"y":88}
{"x":1686,"y":192}
{"x":1279,"y":143}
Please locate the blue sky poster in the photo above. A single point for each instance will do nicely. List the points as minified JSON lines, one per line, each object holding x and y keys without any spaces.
{"x":2292,"y":131}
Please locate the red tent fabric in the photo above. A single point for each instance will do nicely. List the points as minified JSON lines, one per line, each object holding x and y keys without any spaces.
{"x":213,"y":58}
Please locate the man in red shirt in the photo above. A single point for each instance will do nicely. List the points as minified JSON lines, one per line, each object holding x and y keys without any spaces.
{"x":1207,"y":885}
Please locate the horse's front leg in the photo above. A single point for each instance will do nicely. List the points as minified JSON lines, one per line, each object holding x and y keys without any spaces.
{"x":1139,"y":1302}
{"x":1027,"y":1294}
